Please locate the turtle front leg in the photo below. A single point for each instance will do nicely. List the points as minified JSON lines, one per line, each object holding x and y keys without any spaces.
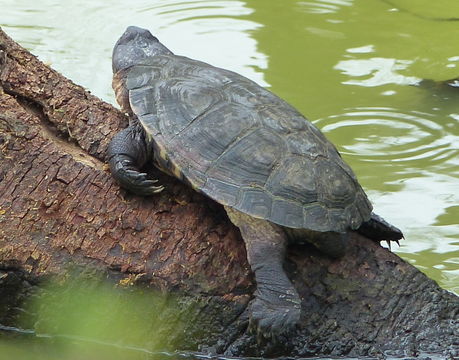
{"x":277,"y":305}
{"x":126,"y":154}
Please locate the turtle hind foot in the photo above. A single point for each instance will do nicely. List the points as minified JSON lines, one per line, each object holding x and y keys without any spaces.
{"x":378,"y":229}
{"x":274,"y":313}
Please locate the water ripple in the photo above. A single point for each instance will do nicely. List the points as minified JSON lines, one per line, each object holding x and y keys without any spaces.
{"x":385,"y":134}
{"x":77,"y":39}
{"x":325,"y":6}
{"x":212,"y":7}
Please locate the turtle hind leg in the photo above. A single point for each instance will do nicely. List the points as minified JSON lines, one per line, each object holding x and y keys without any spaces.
{"x":276,"y":307}
{"x":127,"y":153}
{"x":378,"y":229}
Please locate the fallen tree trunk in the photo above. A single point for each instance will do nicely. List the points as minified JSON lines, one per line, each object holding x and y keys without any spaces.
{"x":59,"y":205}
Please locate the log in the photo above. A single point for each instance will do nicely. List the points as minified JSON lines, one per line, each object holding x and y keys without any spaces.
{"x":59,"y":205}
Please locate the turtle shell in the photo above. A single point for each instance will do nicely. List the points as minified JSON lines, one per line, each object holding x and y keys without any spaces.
{"x":243,"y":146}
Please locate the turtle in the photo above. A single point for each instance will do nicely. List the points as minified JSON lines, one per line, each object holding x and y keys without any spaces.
{"x":277,"y":176}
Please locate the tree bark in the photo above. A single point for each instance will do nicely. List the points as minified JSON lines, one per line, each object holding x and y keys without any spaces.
{"x":59,"y":205}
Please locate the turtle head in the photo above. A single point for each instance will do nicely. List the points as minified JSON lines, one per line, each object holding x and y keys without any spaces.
{"x":134,"y":47}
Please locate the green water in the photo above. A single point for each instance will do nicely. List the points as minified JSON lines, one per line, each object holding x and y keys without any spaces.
{"x":349,"y":65}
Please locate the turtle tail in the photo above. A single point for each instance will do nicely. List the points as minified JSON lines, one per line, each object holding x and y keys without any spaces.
{"x":378,"y":229}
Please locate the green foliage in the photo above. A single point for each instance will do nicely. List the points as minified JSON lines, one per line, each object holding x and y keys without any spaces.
{"x":91,"y":319}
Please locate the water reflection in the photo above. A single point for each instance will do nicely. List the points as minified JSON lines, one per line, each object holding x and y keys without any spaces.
{"x":77,"y":39}
{"x":324,"y":6}
{"x":379,"y":71}
{"x":423,"y":9}
{"x":385,"y":134}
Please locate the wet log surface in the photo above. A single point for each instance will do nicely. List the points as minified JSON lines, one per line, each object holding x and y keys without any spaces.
{"x":59,"y":206}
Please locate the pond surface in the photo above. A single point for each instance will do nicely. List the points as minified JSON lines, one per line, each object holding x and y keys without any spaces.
{"x":351,"y":66}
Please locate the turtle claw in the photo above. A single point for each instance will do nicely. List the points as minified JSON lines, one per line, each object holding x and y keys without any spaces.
{"x":143,"y":186}
{"x":275,"y":327}
{"x":133,"y":180}
{"x":156,"y":189}
{"x":135,"y":175}
{"x":273,"y":319}
{"x":388,"y":244}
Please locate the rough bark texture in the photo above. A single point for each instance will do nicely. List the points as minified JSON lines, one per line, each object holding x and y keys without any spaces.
{"x":59,"y":205}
